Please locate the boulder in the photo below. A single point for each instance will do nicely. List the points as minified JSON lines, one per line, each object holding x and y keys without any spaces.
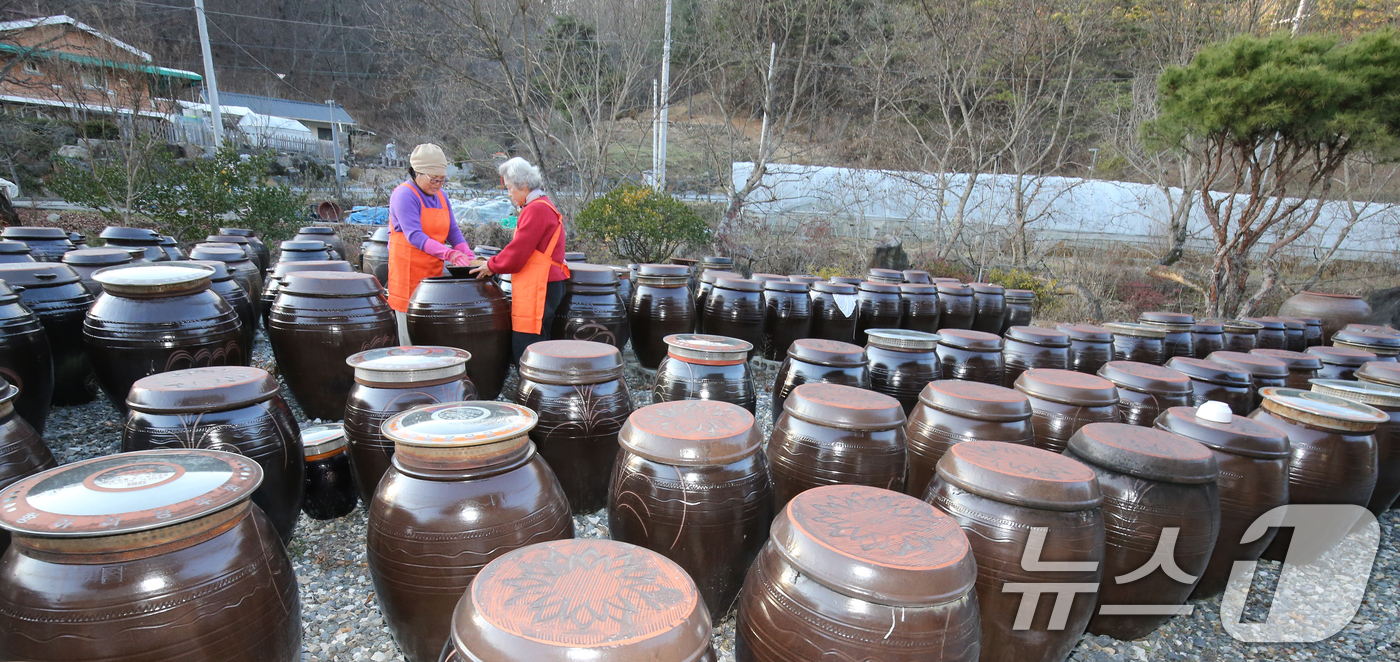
{"x":73,"y":152}
{"x":889,"y":254}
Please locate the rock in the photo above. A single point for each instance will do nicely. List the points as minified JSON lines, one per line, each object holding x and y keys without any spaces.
{"x":1385,"y":306}
{"x":355,"y":173}
{"x":53,"y":219}
{"x":889,"y":254}
{"x":73,"y":152}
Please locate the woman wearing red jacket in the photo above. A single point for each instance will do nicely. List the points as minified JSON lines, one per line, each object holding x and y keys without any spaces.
{"x":534,"y":257}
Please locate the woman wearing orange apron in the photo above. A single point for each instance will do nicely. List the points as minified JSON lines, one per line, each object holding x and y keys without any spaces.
{"x":534,"y":257}
{"x":421,"y":229}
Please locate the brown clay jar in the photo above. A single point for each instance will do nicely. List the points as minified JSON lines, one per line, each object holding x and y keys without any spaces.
{"x":691,"y":484}
{"x":700,"y":366}
{"x":957,"y":308}
{"x":222,"y":283}
{"x":466,"y":487}
{"x":1239,"y":336}
{"x":577,"y":390}
{"x":243,"y":269}
{"x":1302,"y":367}
{"x":998,"y":493}
{"x":12,"y":252}
{"x":158,"y":318}
{"x":1386,"y":399}
{"x":860,"y":573}
{"x":836,"y":435}
{"x":22,"y":451}
{"x":661,"y":306}
{"x":235,"y":409}
{"x":1064,"y":401}
{"x":87,"y":261}
{"x":46,"y":244}
{"x":990,"y":301}
{"x":284,"y":269}
{"x":917,"y":276}
{"x":1138,"y":342}
{"x":1384,"y":344}
{"x":591,"y":308}
{"x":704,"y":284}
{"x":1212,"y":380}
{"x":787,"y":317}
{"x":1090,"y":347}
{"x":330,"y":482}
{"x":374,"y":257}
{"x":1206,"y":336}
{"x":952,"y":412}
{"x":1273,"y":333}
{"x":26,"y":361}
{"x":1029,"y":347}
{"x":238,"y":242}
{"x":878,"y":306}
{"x":886,"y":276}
{"x":971,"y":356}
{"x":260,"y":250}
{"x":1263,"y":370}
{"x":902,"y":363}
{"x":390,"y":380}
{"x":318,"y":320}
{"x":1019,"y":306}
{"x":56,"y":296}
{"x":1178,"y":341}
{"x":734,"y":309}
{"x":833,"y":311}
{"x":1340,"y":362}
{"x":918,"y":307}
{"x":1158,"y":487}
{"x":1145,"y":391}
{"x":1312,"y":334}
{"x":820,"y":361}
{"x":470,"y":314}
{"x":1295,"y":333}
{"x":1333,"y":311}
{"x":664,"y":618}
{"x":168,"y":561}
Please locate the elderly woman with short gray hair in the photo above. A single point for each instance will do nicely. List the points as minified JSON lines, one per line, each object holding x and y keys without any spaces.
{"x":534,"y":257}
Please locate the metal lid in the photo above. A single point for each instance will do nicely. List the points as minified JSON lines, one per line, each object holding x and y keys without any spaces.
{"x":11,"y":247}
{"x":1236,"y":435}
{"x":806,"y":280}
{"x":201,"y":390}
{"x":1021,"y":475}
{"x":954,"y":289}
{"x":1388,"y":343}
{"x":902,"y":340}
{"x":1344,"y":356}
{"x":322,"y":439}
{"x":303,"y":245}
{"x":412,"y":364}
{"x":31,"y":275}
{"x":592,"y":274}
{"x":207,"y":252}
{"x":784,"y":286}
{"x":885,"y":276}
{"x":707,"y":349}
{"x":663,"y":270}
{"x":9,"y":296}
{"x":331,"y":284}
{"x":1213,"y":372}
{"x":876,"y":545}
{"x":984,"y":402}
{"x":382,"y":234}
{"x":167,"y":240}
{"x":969,"y":339}
{"x":1294,"y":360}
{"x":945,"y":279}
{"x":284,"y":268}
{"x":1039,"y":336}
{"x":1379,"y":372}
{"x":1207,"y":326}
{"x":1376,"y":395}
{"x":316,"y":229}
{"x":1144,"y":452}
{"x":571,"y":362}
{"x":739,"y":284}
{"x":1270,"y":323}
{"x":987,"y":288}
{"x":928,"y":289}
{"x":238,"y":232}
{"x":882,"y":288}
{"x":917,"y":276}
{"x":831,"y":353}
{"x":1170,"y":321}
{"x":1146,"y":378}
{"x":1067,"y":387}
{"x":833,"y":288}
{"x":844,"y":407}
{"x":94,"y":256}
{"x":1257,"y":365}
{"x":1135,"y":330}
{"x":150,"y":279}
{"x":460,"y":424}
{"x":1321,"y":410}
{"x":691,"y":433}
{"x":24,"y":232}
{"x":127,"y":493}
{"x":1241,"y":326}
{"x":1086,"y":332}
{"x":1023,"y":296}
{"x":1372,"y":328}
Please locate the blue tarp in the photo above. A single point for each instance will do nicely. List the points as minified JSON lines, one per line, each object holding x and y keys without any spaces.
{"x":362,"y":215}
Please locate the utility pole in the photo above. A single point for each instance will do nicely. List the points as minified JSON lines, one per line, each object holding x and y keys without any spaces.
{"x":335,"y":140}
{"x":211,"y":86}
{"x":665,"y":100}
{"x":655,"y":132}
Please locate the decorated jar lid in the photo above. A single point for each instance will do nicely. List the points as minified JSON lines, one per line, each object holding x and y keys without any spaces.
{"x":331,"y":284}
{"x":927,"y":289}
{"x":1086,"y":332}
{"x":875,"y":545}
{"x":1321,"y":410}
{"x":784,"y":286}
{"x":127,"y":493}
{"x":902,"y":340}
{"x":1020,"y":296}
{"x":153,"y":279}
{"x":734,"y":282}
{"x":38,"y":274}
{"x":1343,"y":356}
{"x":1173,"y":321}
{"x":1244,"y":327}
{"x":984,"y":402}
{"x":1041,"y":337}
{"x":201,"y":390}
{"x":318,"y":441}
{"x":1144,"y":452}
{"x":11,"y":247}
{"x":1146,"y":378}
{"x":581,"y":599}
{"x":1269,"y":323}
{"x":413,"y":364}
{"x":1380,"y":396}
{"x":987,"y":288}
{"x":1380,"y":343}
{"x":833,"y":288}
{"x":1294,"y":360}
{"x":806,"y":280}
{"x":1021,"y":475}
{"x":1135,"y":330}
{"x":284,"y":268}
{"x":1219,"y":429}
{"x":461,"y":425}
{"x":885,"y":276}
{"x":1067,"y":387}
{"x":916,"y":276}
{"x":1257,"y":365}
{"x":832,"y":353}
{"x":691,"y":433}
{"x":571,"y":362}
{"x":706,"y":349}
{"x":969,"y":339}
{"x":955,"y":289}
{"x":1213,"y":372}
{"x":880,"y":288}
{"x":301,"y":245}
{"x":1379,"y":372}
{"x":21,"y":233}
{"x":94,"y":256}
{"x":1207,"y":326}
{"x":592,"y":274}
{"x":844,"y":407}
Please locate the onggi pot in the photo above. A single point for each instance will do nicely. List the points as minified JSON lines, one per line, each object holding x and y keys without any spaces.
{"x":661,"y":306}
{"x":1019,"y":307}
{"x":919,"y":307}
{"x":1064,"y":401}
{"x":1386,"y":399}
{"x":833,"y":311}
{"x":819,"y":360}
{"x":836,"y":435}
{"x":787,"y":317}
{"x":22,"y":450}
{"x":26,"y":362}
{"x":329,"y":482}
{"x":55,"y":294}
{"x":1029,"y":347}
{"x":1263,"y":371}
{"x":1212,"y":380}
{"x":1089,"y":347}
{"x":1138,"y":342}
{"x":591,"y":308}
{"x":1144,"y":391}
{"x":470,"y":314}
{"x":971,"y":356}
{"x":700,"y":366}
{"x":374,"y":258}
{"x":1178,"y":341}
{"x":1340,"y":362}
{"x":902,"y":363}
{"x":956,"y":306}
{"x":1335,"y":310}
{"x":1302,"y":367}
{"x":990,"y":301}
{"x":952,"y":412}
{"x":734,"y":308}
{"x":45,"y":244}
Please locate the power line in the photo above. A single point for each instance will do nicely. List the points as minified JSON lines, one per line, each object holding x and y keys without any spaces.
{"x":269,"y":70}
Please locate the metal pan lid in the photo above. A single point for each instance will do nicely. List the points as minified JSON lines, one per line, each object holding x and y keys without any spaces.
{"x":316,"y":229}
{"x":38,"y":274}
{"x":876,"y":545}
{"x":917,"y":276}
{"x":571,"y":362}
{"x":1021,"y":475}
{"x":592,"y":274}
{"x":151,"y":279}
{"x":833,"y":288}
{"x":1321,"y":410}
{"x":208,"y":252}
{"x":707,"y":349}
{"x":1344,"y":356}
{"x":411,"y":364}
{"x":283,"y":268}
{"x":1024,"y":296}
{"x":1067,"y":387}
{"x":1038,"y":336}
{"x":322,"y":439}
{"x":885,"y":276}
{"x":12,"y":247}
{"x":1270,"y":323}
{"x":844,"y":407}
{"x":1146,"y":378}
{"x":784,"y":286}
{"x":1213,"y":372}
{"x":954,"y":289}
{"x":902,"y":340}
{"x":201,"y":390}
{"x":984,"y":402}
{"x":460,"y":424}
{"x":882,"y":288}
{"x":1294,"y":360}
{"x":1257,"y":365}
{"x":1086,"y":332}
{"x":1162,"y":317}
{"x":1216,"y":427}
{"x":664,"y":270}
{"x":1375,"y":395}
{"x":716,"y":260}
{"x":1379,"y":372}
{"x":691,"y":433}
{"x":987,"y":288}
{"x":575,"y":256}
{"x":302,"y":245}
{"x":709,"y":275}
{"x":92,"y":256}
{"x":969,"y":339}
{"x":1144,"y":452}
{"x":1135,"y":330}
{"x":734,"y":282}
{"x":26,"y":232}
{"x":1372,"y":328}
{"x":130,"y":234}
{"x":331,"y":284}
{"x":127,"y":493}
{"x":831,"y":353}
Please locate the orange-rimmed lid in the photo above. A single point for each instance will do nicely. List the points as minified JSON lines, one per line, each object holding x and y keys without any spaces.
{"x":1067,"y":387}
{"x":984,"y":402}
{"x":844,"y":407}
{"x":1021,"y":475}
{"x":570,"y":362}
{"x":693,"y":433}
{"x":1321,"y":410}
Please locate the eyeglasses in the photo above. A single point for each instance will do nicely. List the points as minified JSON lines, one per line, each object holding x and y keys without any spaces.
{"x":435,"y":180}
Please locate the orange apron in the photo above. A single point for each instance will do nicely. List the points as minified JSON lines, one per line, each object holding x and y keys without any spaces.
{"x":408,"y":265}
{"x":528,"y":286}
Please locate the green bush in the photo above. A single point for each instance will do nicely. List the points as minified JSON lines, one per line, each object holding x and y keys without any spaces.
{"x":641,"y":224}
{"x":99,"y":130}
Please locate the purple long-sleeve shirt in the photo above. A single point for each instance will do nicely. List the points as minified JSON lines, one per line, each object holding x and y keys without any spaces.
{"x":405,"y":207}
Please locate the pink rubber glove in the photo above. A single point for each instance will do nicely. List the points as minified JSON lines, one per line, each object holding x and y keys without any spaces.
{"x":465,"y":250}
{"x":435,"y":248}
{"x":458,"y":259}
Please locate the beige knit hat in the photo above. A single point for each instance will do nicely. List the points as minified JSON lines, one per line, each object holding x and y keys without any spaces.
{"x":428,"y":159}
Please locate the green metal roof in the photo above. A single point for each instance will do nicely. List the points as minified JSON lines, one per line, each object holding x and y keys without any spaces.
{"x":163,"y":72}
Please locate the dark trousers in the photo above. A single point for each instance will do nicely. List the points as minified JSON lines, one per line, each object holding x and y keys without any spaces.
{"x":519,"y":341}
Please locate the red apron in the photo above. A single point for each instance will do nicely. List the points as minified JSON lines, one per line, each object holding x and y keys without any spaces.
{"x":407,"y":265}
{"x":528,"y":286}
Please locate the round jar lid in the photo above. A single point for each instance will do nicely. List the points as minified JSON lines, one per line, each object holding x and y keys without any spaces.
{"x":1207,"y":327}
{"x":581,"y":599}
{"x":1366,"y":393}
{"x":833,"y":288}
{"x":1257,"y":365}
{"x":238,"y":232}
{"x":1379,"y":372}
{"x":831,"y":353}
{"x":284,"y":268}
{"x":716,"y":260}
{"x":167,"y":240}
{"x":1038,"y":336}
{"x":1269,"y":323}
{"x":30,"y":275}
{"x":1135,"y":330}
{"x":1146,"y":378}
{"x":847,"y":280}
{"x":954,"y":289}
{"x":413,"y":364}
{"x":221,"y":272}
{"x":1236,"y":435}
{"x":1294,"y":360}
{"x":983,"y":402}
{"x":707,"y":349}
{"x":664,"y":270}
{"x":1320,"y":410}
{"x":208,"y":252}
{"x":885,"y":275}
{"x":1067,"y":387}
{"x":709,"y":275}
{"x":784,"y":286}
{"x":331,"y":284}
{"x":969,"y":339}
{"x":22,"y":233}
{"x":8,"y":296}
{"x":806,"y":280}
{"x":1387,"y":342}
{"x":945,"y":279}
{"x":987,"y":288}
{"x":571,"y":362}
{"x":1020,"y":296}
{"x":763,"y":278}
{"x":1021,"y":475}
{"x":927,"y":289}
{"x":1086,"y":332}
{"x":1213,"y":372}
{"x":1344,"y":356}
{"x":734,"y":282}
{"x":882,"y":288}
{"x":916,"y":276}
{"x":460,"y":424}
{"x":95,"y":256}
{"x":902,"y":340}
{"x":11,"y":247}
{"x":200,"y":390}
{"x":303,"y":245}
{"x":316,"y":229}
{"x":1160,"y":317}
{"x":691,"y":433}
{"x":844,"y":407}
{"x":592,"y":274}
{"x":1145,"y":452}
{"x":151,"y":279}
{"x":127,"y":493}
{"x":575,"y":256}
{"x":322,"y":439}
{"x":875,"y":545}
{"x":1372,"y":328}
{"x":229,"y":239}
{"x":1241,"y":327}
{"x":135,"y":235}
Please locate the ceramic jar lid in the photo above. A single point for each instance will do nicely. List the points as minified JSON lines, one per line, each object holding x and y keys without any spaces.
{"x":1175,"y":321}
{"x":1213,"y":372}
{"x":1136,"y":330}
{"x":1225,"y":432}
{"x":879,"y":288}
{"x":987,"y":288}
{"x":1380,"y":396}
{"x":1020,"y":296}
{"x":9,"y":296}
{"x":1086,"y":332}
{"x":885,"y":276}
{"x":784,"y":286}
{"x":284,"y":268}
{"x":1320,"y":410}
{"x":232,"y":239}
{"x":581,"y":599}
{"x":805,"y":280}
{"x":875,"y":545}
{"x":926,"y":289}
{"x":1144,"y":452}
{"x":153,"y":279}
{"x":916,"y":276}
{"x":95,"y":256}
{"x":734,"y":282}
{"x":1245,"y":327}
{"x":832,"y":353}
{"x":302,"y":245}
{"x":1021,"y":475}
{"x":1257,"y":365}
{"x":413,"y":364}
{"x":833,"y":288}
{"x":844,"y":407}
{"x":664,"y":270}
{"x":847,"y":280}
{"x":239,"y":232}
{"x":571,"y":362}
{"x":21,"y":233}
{"x":1344,"y":356}
{"x":976,"y":400}
{"x":1067,"y":387}
{"x":1146,"y":378}
{"x":592,"y":274}
{"x":1384,"y":344}
{"x":764,"y":278}
{"x":709,"y":275}
{"x":1207,"y":326}
{"x":1294,"y":360}
{"x":330,"y":284}
{"x":316,"y":229}
{"x":1268,"y":323}
{"x":38,"y":274}
{"x":716,"y":260}
{"x":201,"y":390}
{"x":9,"y":247}
{"x":127,"y":493}
{"x":1371,"y":328}
{"x":321,"y":440}
{"x":902,"y":340}
{"x":691,"y":433}
{"x":207,"y":252}
{"x":130,"y":234}
{"x":460,"y":424}
{"x":706,"y":349}
{"x":1041,"y":337}
{"x":954,"y":289}
{"x":969,"y":339}
{"x":1376,"y":372}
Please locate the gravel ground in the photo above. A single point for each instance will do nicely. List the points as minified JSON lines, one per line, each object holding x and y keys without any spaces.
{"x":342,"y":621}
